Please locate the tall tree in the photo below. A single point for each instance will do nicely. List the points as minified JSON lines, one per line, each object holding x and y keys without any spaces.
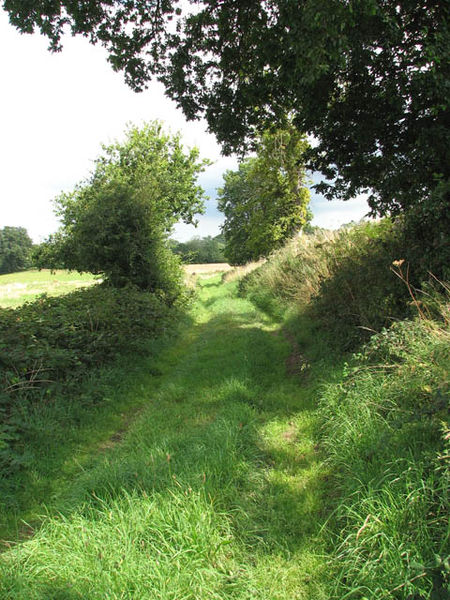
{"x":265,"y":201}
{"x":117,"y":222}
{"x":15,"y":249}
{"x":368,"y":78}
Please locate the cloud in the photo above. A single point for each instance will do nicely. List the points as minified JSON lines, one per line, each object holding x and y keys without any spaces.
{"x":331,"y":214}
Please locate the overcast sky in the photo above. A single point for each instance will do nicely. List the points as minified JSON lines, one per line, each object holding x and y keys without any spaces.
{"x":57,"y":109}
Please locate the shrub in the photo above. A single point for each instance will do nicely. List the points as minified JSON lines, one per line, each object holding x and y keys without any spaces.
{"x":116,"y":223}
{"x":55,"y":341}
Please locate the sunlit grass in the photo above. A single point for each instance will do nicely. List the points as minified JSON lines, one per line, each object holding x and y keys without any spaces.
{"x":17,"y":288}
{"x":212,"y":489}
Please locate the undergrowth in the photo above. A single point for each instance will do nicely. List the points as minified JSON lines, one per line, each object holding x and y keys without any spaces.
{"x":386,"y":437}
{"x":49,"y":346}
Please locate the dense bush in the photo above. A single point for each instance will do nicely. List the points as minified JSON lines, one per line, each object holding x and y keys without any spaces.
{"x":51,"y":344}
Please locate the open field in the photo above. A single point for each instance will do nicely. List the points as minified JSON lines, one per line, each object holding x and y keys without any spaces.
{"x":207,"y":268}
{"x":17,"y":288}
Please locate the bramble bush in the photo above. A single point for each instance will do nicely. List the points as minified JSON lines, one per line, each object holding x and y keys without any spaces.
{"x":51,"y":344}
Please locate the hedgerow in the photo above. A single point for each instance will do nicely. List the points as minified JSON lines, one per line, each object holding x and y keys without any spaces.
{"x":385,"y":434}
{"x":344,"y":280}
{"x":53,"y":343}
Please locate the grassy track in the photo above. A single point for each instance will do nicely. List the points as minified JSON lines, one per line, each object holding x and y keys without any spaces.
{"x":212,"y":492}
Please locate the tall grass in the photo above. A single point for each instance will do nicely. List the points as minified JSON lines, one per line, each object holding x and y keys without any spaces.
{"x":291,"y":276}
{"x":343,"y":279}
{"x":386,"y":435}
{"x":385,"y":432}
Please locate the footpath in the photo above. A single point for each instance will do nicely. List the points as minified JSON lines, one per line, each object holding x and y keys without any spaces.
{"x":213,"y":490}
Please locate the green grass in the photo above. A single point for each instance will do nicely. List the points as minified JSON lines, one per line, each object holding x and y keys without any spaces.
{"x":17,"y":288}
{"x":214,"y":488}
{"x":384,"y":432}
{"x":243,"y":459}
{"x":384,"y":413}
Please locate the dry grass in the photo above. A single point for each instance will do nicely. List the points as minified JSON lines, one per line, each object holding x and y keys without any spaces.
{"x":207,"y":268}
{"x":238,"y":272}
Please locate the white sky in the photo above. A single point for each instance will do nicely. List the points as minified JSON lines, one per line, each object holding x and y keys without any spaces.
{"x":57,"y":109}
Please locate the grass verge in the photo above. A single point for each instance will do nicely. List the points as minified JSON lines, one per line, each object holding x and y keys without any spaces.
{"x":384,"y":416}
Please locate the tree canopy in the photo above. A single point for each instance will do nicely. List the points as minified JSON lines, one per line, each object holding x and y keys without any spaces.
{"x":117,"y":222}
{"x":369,"y":79}
{"x":200,"y":250}
{"x":15,"y":249}
{"x":265,"y":201}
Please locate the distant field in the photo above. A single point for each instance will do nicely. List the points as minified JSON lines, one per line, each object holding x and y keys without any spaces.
{"x":207,"y":268}
{"x":17,"y":288}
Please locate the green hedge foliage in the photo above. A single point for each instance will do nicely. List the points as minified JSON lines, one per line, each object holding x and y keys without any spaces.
{"x":52,"y":343}
{"x":344,"y":280}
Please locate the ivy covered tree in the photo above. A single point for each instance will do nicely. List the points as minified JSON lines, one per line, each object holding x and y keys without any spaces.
{"x":265,"y":201}
{"x":15,"y":249}
{"x":116,"y":223}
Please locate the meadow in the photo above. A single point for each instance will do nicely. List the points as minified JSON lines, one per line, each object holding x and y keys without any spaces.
{"x":17,"y":288}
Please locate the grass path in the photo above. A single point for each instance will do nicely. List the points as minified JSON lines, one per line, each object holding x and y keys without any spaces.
{"x":214,"y":490}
